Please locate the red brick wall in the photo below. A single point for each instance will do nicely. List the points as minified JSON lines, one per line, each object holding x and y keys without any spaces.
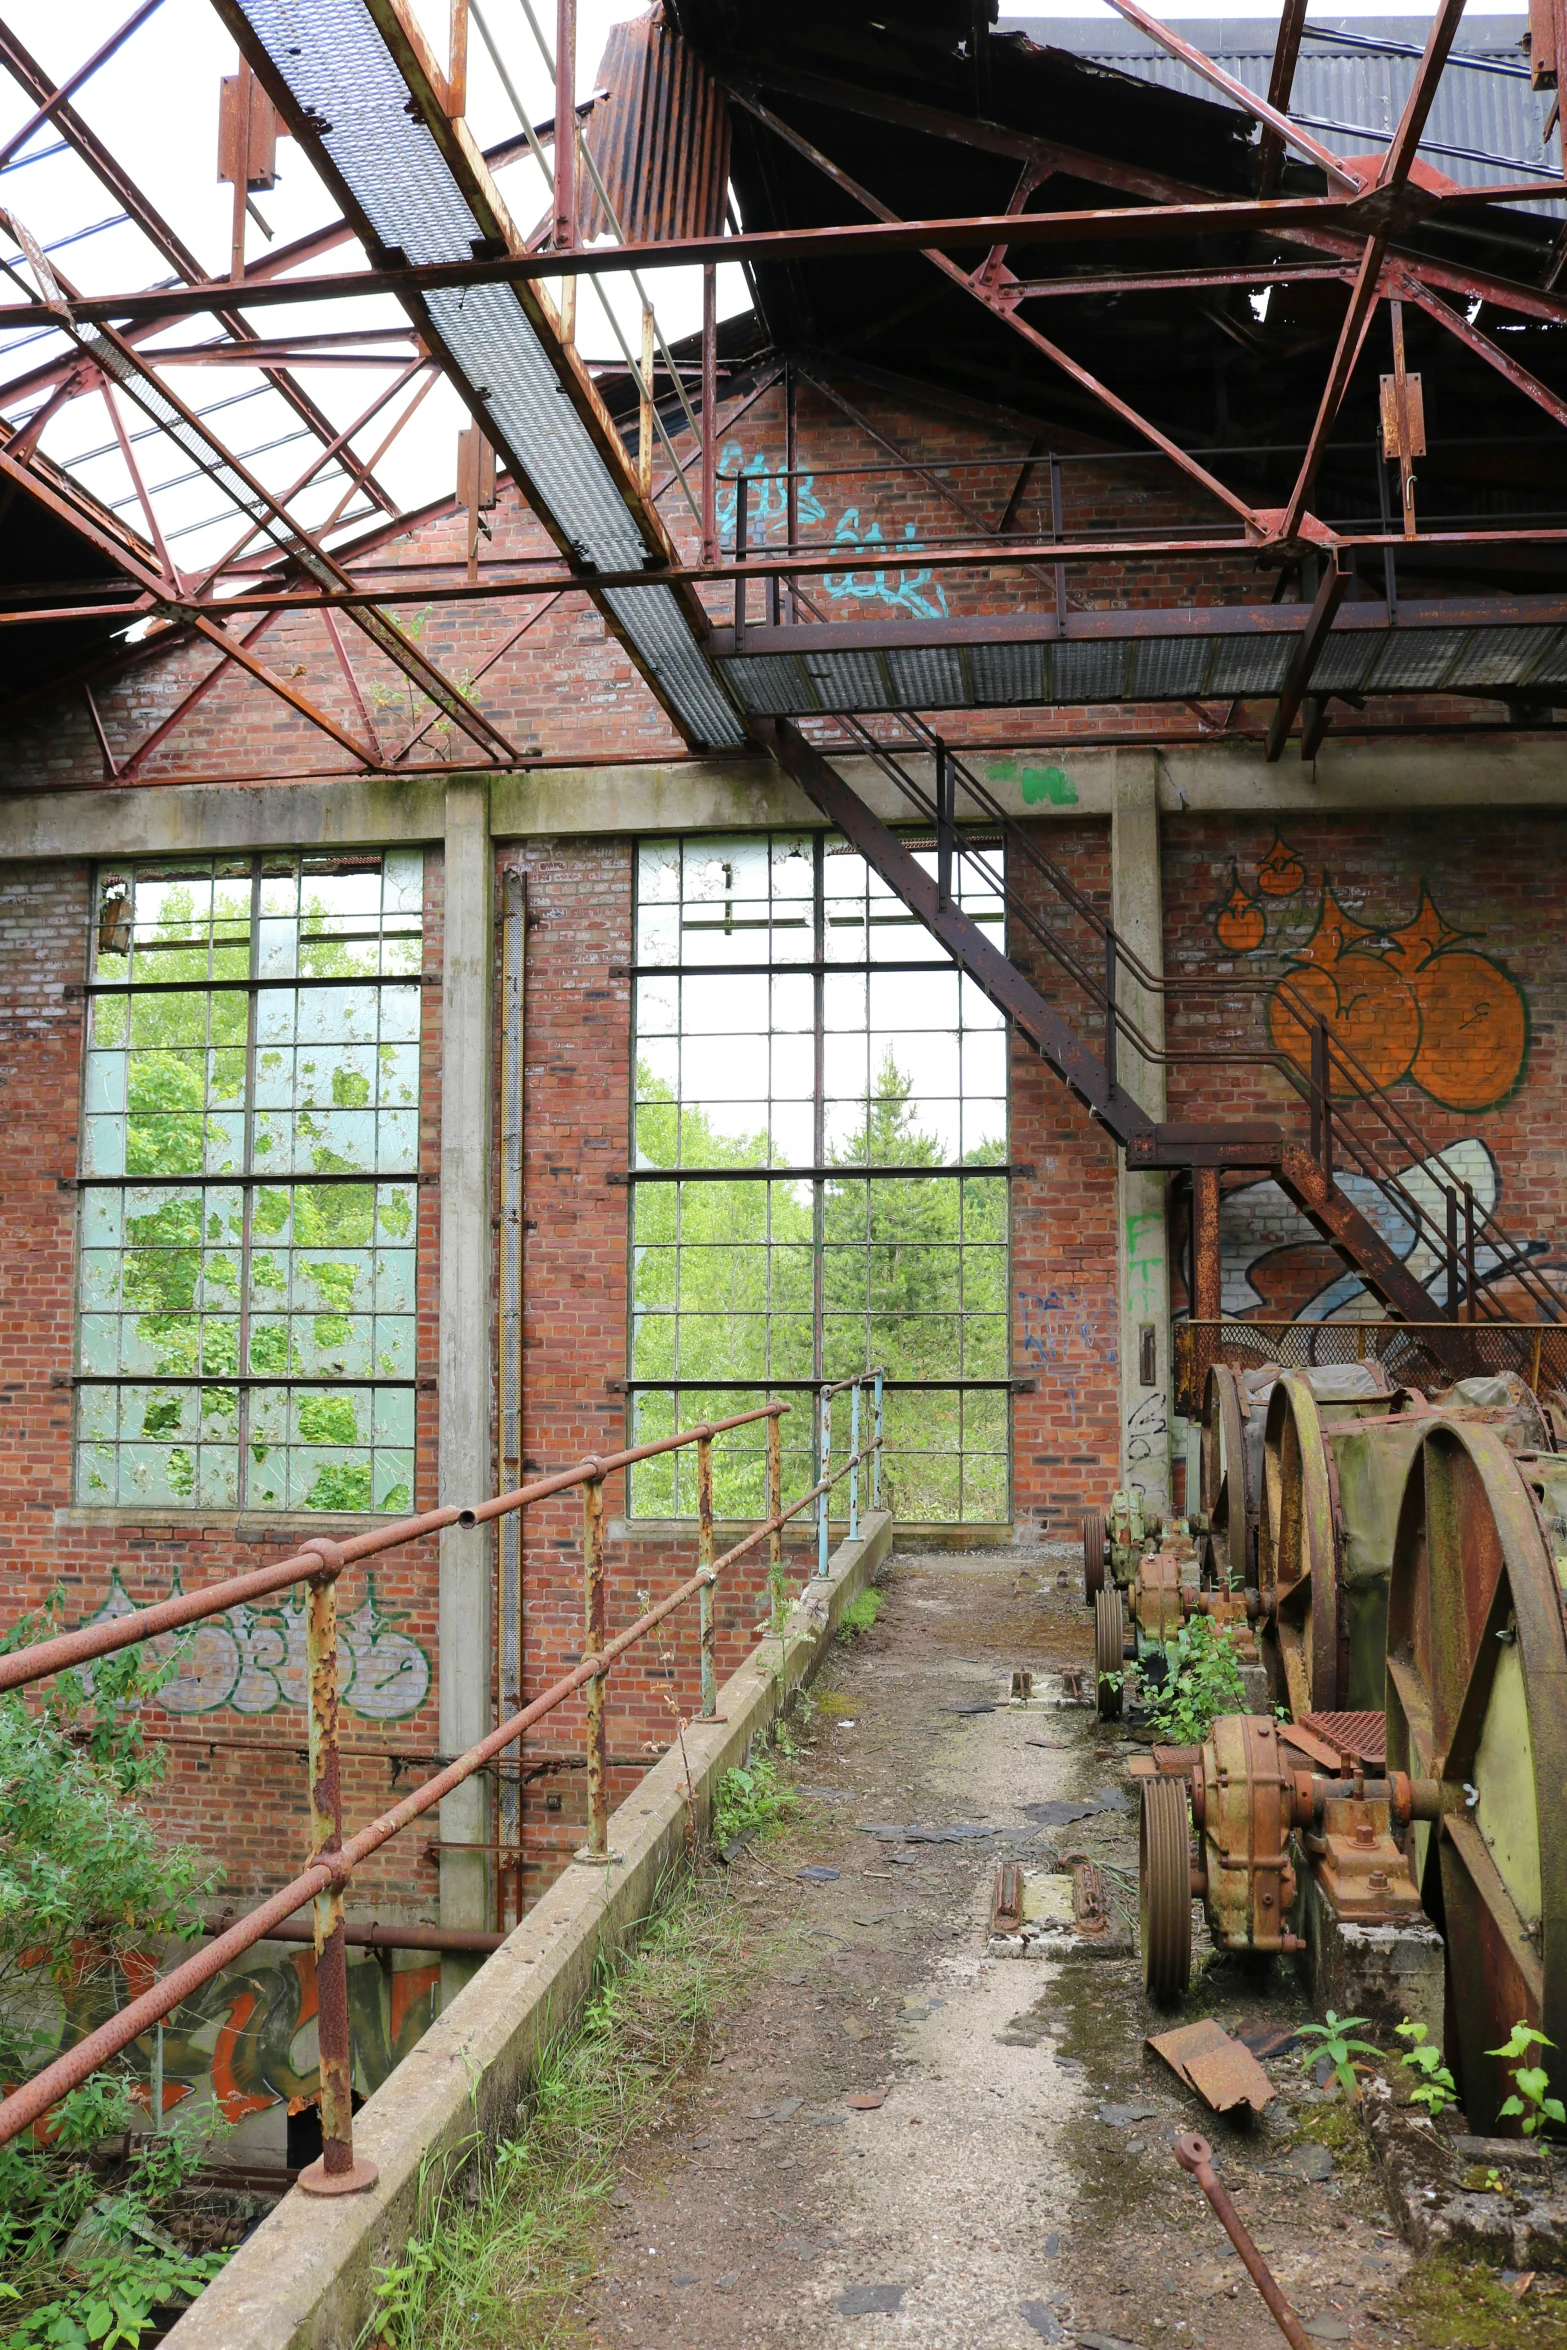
{"x":1458,"y":1017}
{"x":1066,"y":1433}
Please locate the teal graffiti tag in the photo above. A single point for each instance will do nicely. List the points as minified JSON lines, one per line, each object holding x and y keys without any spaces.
{"x":767,"y":517}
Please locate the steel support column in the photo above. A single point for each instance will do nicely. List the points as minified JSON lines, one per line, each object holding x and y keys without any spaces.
{"x":1143,"y":1272}
{"x":464,"y":1344}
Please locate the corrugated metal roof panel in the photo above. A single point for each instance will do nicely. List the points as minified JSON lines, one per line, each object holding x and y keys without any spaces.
{"x":1170,"y":665}
{"x":1415,"y":657}
{"x":849,"y":681}
{"x":1090,"y":673}
{"x":1500,"y":656}
{"x":773,"y":688}
{"x":660,"y":141}
{"x":928,"y":678}
{"x":1486,"y":124}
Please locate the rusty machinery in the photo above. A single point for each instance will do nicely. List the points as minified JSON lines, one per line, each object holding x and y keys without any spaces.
{"x":1336,"y":1449}
{"x":1135,"y":1621}
{"x":1449,"y":1806}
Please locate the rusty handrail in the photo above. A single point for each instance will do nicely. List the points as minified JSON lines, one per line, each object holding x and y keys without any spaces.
{"x":336,"y":1858}
{"x":190,"y":1607}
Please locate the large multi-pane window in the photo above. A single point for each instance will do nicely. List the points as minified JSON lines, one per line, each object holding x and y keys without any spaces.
{"x":818,"y":1170}
{"x":249,"y":1163}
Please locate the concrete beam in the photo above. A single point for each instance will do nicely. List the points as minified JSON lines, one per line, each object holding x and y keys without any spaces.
{"x":1143,"y":1282}
{"x":304,"y":2280}
{"x":464,"y":1472}
{"x":735,"y":795}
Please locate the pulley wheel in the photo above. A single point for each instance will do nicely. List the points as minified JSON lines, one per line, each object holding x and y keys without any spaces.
{"x":1476,"y":1680}
{"x":1109,"y":1652}
{"x":1297,"y":1568}
{"x":1223,"y":1468}
{"x":1164,"y":1889}
{"x":1093,"y":1555}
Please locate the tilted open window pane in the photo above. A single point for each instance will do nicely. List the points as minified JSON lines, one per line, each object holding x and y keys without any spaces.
{"x":819,"y":1134}
{"x":246,"y":1293}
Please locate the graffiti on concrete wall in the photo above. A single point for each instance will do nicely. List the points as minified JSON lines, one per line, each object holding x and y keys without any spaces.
{"x":246,"y":2041}
{"x":251,"y":1660}
{"x":1411,"y":1000}
{"x":913,"y":589}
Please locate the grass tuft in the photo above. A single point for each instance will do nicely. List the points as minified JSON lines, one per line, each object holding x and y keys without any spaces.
{"x":861,"y":1612}
{"x":515,"y":2238}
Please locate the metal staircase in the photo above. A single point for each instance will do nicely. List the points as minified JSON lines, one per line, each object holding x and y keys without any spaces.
{"x":1352,"y":1124}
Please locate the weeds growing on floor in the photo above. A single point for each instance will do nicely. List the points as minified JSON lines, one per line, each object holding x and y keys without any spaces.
{"x":515,"y":2237}
{"x":861,"y":1612}
{"x":750,"y":1802}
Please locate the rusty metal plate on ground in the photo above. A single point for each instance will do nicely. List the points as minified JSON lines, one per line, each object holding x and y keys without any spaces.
{"x":1223,"y":2073}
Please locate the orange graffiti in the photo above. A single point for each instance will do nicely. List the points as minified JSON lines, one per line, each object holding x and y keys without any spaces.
{"x":1367,"y":1008}
{"x":1281,"y":872}
{"x":1241,"y":924}
{"x":234,"y":2100}
{"x":1474,"y":1031}
{"x":1425,"y":1008}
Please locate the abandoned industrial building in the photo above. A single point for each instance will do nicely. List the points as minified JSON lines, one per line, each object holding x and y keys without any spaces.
{"x":783,"y":1220}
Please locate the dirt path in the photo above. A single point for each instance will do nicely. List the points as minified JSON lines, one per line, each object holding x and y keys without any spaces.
{"x":1016,"y":2184}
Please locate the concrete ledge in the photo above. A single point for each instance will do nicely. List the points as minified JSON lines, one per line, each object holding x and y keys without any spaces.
{"x":304,"y":2280}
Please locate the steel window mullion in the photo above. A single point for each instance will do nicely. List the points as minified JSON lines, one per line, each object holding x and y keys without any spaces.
{"x":248,"y":1208}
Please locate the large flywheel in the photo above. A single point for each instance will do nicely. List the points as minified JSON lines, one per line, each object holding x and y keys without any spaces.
{"x":1336,"y":1448}
{"x":1477,"y":1699}
{"x":1223,"y":1474}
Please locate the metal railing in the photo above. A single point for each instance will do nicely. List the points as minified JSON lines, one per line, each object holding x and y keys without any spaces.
{"x":1427,"y":1355}
{"x":855,"y":1386}
{"x":1354,"y":1123}
{"x":317,"y":1565}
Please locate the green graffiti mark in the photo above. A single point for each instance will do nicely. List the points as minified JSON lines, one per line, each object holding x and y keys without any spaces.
{"x":1049,"y":783}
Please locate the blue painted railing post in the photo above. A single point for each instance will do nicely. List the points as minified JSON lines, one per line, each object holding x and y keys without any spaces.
{"x":876,"y":1455}
{"x":854,"y":1462}
{"x":823,"y":1452}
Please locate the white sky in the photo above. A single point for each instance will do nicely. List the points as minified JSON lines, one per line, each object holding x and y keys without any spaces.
{"x":155,"y":105}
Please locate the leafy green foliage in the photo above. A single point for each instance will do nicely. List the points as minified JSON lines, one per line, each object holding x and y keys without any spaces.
{"x":861,"y":1612}
{"x":1333,"y":2041}
{"x":85,"y":1883}
{"x":1530,"y":2082}
{"x":1435,"y":2089}
{"x":1202,"y":1680}
{"x":750,"y":1802}
{"x":914,"y":1277}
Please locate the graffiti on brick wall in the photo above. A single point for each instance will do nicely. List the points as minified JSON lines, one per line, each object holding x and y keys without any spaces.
{"x":1411,"y":1000}
{"x":1275,"y":1264}
{"x":251,"y":1660}
{"x":915,"y":589}
{"x":247,"y":2039}
{"x":1065,"y":1333}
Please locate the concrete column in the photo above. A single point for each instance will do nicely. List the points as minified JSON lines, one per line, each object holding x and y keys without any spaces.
{"x":1143,"y":1273}
{"x":466,"y":1403}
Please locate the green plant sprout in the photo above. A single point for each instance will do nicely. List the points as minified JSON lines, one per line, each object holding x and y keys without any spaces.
{"x":860,"y":1614}
{"x":749,"y":1802}
{"x":1436,"y":2089}
{"x":1202,"y":1680}
{"x":1530,"y":2082}
{"x":1334,"y":2042}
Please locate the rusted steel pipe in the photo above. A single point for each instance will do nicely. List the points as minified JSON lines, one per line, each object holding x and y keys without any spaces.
{"x":377,"y":1937}
{"x":336,"y":2172}
{"x":1194,"y":2154}
{"x":28,"y":2103}
{"x":43,"y":1657}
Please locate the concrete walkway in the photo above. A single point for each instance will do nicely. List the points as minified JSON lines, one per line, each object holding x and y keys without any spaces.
{"x":1015,"y":2184}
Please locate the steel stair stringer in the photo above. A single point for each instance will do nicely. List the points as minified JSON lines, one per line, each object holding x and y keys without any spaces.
{"x":1257,"y":1147}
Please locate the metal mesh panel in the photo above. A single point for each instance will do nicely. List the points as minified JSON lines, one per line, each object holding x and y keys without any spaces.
{"x":1343,"y":661}
{"x":1090,"y":673}
{"x":1007,"y":673}
{"x":1536,"y":1351}
{"x":928,"y":678}
{"x":773,"y":687}
{"x":1414,"y":657}
{"x":1500,"y":656}
{"x":1170,"y":666}
{"x":849,"y":681}
{"x":1250,"y":664}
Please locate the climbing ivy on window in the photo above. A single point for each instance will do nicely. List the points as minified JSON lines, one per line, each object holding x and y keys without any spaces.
{"x":250,"y":1141}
